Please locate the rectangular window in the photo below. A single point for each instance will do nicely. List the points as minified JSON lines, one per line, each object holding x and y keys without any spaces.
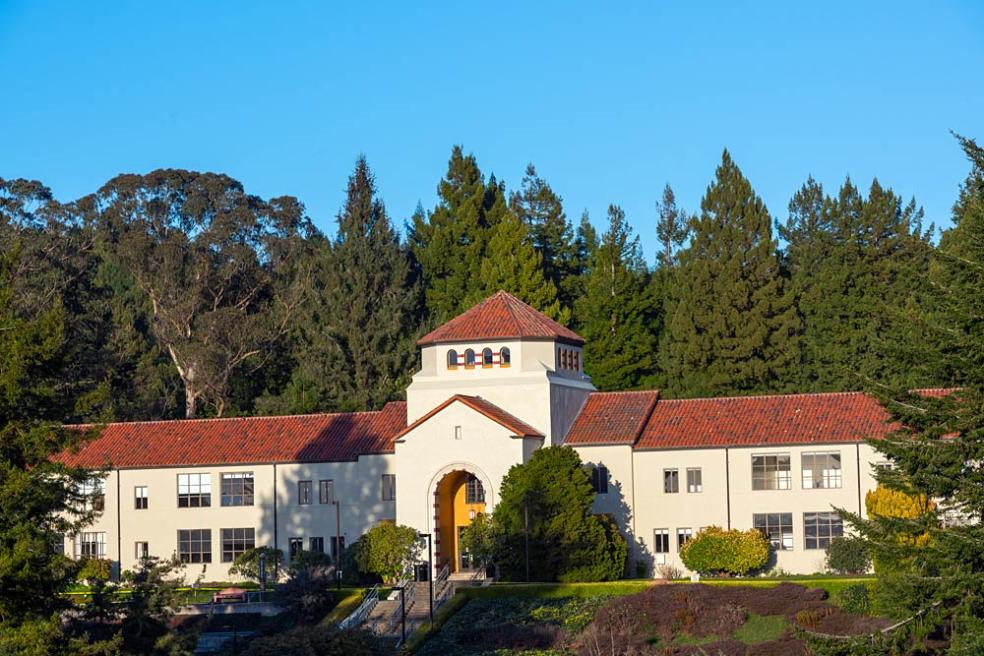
{"x":777,"y":527}
{"x":141,"y":550}
{"x":695,"y":480}
{"x":599,"y":479}
{"x":194,"y":490}
{"x":822,"y":470}
{"x":304,"y":493}
{"x":140,"y":497}
{"x":389,"y":487}
{"x":236,"y":541}
{"x":90,"y":544}
{"x":474,"y":491}
{"x":770,"y":471}
{"x":317,"y":545}
{"x":671,"y":481}
{"x":326,"y":491}
{"x":457,"y":432}
{"x":296,"y":546}
{"x":58,"y":544}
{"x":94,"y":492}
{"x":820,"y":527}
{"x":336,"y":543}
{"x":683,"y":536}
{"x":661,"y":540}
{"x":237,"y":489}
{"x":195,"y":545}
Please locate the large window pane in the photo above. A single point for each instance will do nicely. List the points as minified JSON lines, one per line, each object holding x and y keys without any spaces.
{"x":771,"y":471}
{"x":822,"y":470}
{"x":820,"y":528}
{"x":237,"y":489}
{"x":777,"y":527}
{"x":194,"y":490}
{"x":236,"y":541}
{"x":195,"y":545}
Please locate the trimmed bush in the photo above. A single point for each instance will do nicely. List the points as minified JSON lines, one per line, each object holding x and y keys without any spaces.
{"x":716,"y":551}
{"x":849,"y":555}
{"x":387,"y":550}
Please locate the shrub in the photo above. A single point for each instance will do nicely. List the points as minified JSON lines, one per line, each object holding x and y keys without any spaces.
{"x":95,"y":569}
{"x":319,"y":641}
{"x":848,"y":555}
{"x":855,"y":599}
{"x":715,"y":551}
{"x":668,"y":571}
{"x":307,"y":593}
{"x":247,"y":564}
{"x":810,"y":617}
{"x":387,"y":550}
{"x":309,"y":560}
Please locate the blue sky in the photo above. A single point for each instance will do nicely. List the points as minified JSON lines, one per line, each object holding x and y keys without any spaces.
{"x":609,"y":103}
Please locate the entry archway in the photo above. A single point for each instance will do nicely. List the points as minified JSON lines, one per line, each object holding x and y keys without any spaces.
{"x":460,"y":492}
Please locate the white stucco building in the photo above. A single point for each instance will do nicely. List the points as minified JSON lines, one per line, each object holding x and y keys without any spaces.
{"x":495,"y":384}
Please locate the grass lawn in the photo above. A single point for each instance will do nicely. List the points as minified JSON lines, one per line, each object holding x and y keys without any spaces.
{"x":761,"y":628}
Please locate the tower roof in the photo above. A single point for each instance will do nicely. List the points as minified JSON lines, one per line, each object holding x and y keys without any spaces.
{"x":501,"y":316}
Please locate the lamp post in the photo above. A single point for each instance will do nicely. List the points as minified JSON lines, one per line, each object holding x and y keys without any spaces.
{"x":403,"y":614}
{"x":338,"y":543}
{"x":430,"y":572}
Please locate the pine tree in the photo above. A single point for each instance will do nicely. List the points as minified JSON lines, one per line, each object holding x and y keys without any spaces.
{"x":551,"y":233}
{"x":672,"y":228}
{"x":356,"y":346}
{"x":512,"y":264}
{"x":731,"y":326}
{"x":451,"y":241}
{"x":614,"y":314}
{"x":937,"y":454}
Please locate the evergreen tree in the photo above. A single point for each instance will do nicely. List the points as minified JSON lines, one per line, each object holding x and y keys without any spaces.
{"x":356,"y":338}
{"x":451,"y":241}
{"x":731,"y":326}
{"x":931,"y":562}
{"x":551,"y":233}
{"x":614,"y":314}
{"x":672,"y":228}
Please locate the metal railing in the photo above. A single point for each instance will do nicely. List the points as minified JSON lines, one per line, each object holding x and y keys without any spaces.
{"x":359,"y":615}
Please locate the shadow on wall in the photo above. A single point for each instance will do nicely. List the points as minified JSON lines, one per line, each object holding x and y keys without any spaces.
{"x":640,"y":560}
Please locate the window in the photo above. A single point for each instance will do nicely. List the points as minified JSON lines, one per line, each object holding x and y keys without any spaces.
{"x":304,"y":493}
{"x":671,"y":481}
{"x":474,"y":492}
{"x":141,"y":550}
{"x":337,"y":542}
{"x":683,"y":536}
{"x":194,"y":490}
{"x":695,"y":480}
{"x":237,"y":489}
{"x":599,"y":479}
{"x":504,"y":356}
{"x":195,"y":545}
{"x":58,"y":544}
{"x":770,"y":471}
{"x":296,"y":547}
{"x":486,"y":358}
{"x":577,"y":361}
{"x":326,"y":491}
{"x":469,"y":359}
{"x":389,"y":487}
{"x":94,"y":492}
{"x":661,"y":540}
{"x":777,"y":527}
{"x":563,"y":358}
{"x":457,"y":432}
{"x":317,"y":545}
{"x":452,"y":359}
{"x":821,"y":471}
{"x":820,"y":527}
{"x":140,"y":497}
{"x":236,"y":541}
{"x":90,"y":545}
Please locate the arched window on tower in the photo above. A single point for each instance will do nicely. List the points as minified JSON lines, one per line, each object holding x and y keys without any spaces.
{"x":452,"y":359}
{"x":563,"y":359}
{"x":486,"y":358}
{"x":504,"y":356}
{"x":469,"y":359}
{"x":577,"y":361}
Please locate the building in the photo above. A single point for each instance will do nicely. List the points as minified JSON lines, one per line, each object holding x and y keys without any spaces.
{"x":495,"y":384}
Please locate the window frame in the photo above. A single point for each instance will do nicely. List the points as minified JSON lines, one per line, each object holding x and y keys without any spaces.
{"x":201,"y":497}
{"x":89,"y":544}
{"x":671,"y":479}
{"x":387,"y":484}
{"x":197,"y":537}
{"x":326,"y":484}
{"x":242,"y":493}
{"x":291,"y":551}
{"x":140,"y":500}
{"x":773,"y":527}
{"x":233,"y":542}
{"x":305,"y":492}
{"x":764,"y":476}
{"x":474,"y":490}
{"x":139,"y":553}
{"x":93,"y":491}
{"x":452,"y":355}
{"x":829,"y":479}
{"x":486,"y":358}
{"x":661,"y":535}
{"x":684,"y":535}
{"x":818,"y":541}
{"x":505,"y":357}
{"x":469,"y":358}
{"x":599,"y":479}
{"x":695,"y":474}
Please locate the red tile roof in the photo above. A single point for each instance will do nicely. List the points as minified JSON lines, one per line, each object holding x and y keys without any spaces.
{"x":732,"y":421}
{"x":501,"y":316}
{"x":516,"y":427}
{"x":612,"y":418}
{"x":301,"y":438}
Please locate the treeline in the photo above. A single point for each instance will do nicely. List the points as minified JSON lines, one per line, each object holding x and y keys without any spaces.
{"x":182,"y":294}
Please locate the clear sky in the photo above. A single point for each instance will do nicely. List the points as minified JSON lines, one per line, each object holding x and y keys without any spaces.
{"x":609,"y":100}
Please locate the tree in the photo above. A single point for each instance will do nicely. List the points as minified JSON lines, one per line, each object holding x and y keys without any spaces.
{"x":480,"y":540}
{"x":247,"y":564}
{"x":731,"y":327}
{"x":550,"y":232}
{"x":848,"y":555}
{"x":716,"y":551}
{"x":355,"y":344}
{"x":672,"y":228}
{"x":614,"y":315}
{"x":936,"y":453}
{"x":546,"y":502}
{"x":450,"y":242}
{"x":387,"y":550}
{"x":216,"y":266}
{"x":320,"y":641}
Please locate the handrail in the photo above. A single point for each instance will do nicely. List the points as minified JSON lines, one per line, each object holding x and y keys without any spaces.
{"x":359,"y":615}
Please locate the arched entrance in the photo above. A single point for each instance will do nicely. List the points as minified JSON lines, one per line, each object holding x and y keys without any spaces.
{"x":458,"y":497}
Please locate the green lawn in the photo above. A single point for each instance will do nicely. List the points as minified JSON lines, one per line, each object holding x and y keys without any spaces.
{"x":761,"y":628}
